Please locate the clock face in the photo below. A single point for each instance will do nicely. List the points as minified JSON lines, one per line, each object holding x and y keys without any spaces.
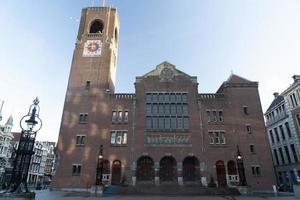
{"x":92,"y":48}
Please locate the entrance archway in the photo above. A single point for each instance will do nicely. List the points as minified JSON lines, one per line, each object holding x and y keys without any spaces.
{"x":190,"y":168}
{"x":116,"y":172}
{"x":221,"y":173}
{"x":145,"y":169}
{"x":168,"y":169}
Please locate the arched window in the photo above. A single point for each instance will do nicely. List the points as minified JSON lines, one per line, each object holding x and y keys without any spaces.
{"x":96,"y":26}
{"x":116,"y":36}
{"x":231,"y":168}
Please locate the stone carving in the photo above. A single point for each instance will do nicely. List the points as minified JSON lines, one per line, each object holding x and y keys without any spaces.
{"x":166,"y":74}
{"x":167,"y":140}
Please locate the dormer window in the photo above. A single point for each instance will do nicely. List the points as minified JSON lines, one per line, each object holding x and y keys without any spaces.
{"x":96,"y":26}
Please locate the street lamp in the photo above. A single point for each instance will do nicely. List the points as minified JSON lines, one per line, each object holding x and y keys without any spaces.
{"x":30,"y":125}
{"x":99,"y":167}
{"x":241,"y":169}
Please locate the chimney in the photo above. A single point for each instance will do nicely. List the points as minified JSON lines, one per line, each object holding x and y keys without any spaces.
{"x":275,"y":94}
{"x":296,"y":78}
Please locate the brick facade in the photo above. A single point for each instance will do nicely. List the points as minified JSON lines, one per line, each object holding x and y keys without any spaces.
{"x":170,"y":144}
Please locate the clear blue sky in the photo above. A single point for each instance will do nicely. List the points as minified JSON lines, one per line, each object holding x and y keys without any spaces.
{"x":257,"y":39}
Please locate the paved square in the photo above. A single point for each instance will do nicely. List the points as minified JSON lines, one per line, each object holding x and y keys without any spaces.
{"x":57,"y":195}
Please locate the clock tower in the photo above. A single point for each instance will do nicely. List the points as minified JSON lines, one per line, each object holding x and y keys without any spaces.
{"x":85,"y":120}
{"x":95,"y":55}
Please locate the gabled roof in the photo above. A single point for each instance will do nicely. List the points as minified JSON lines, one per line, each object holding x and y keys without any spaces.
{"x":236,"y":81}
{"x":163,"y":66}
{"x":275,"y":102}
{"x":233,"y":78}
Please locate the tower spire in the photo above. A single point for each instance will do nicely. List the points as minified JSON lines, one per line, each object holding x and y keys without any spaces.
{"x":1,"y":110}
{"x":103,"y":3}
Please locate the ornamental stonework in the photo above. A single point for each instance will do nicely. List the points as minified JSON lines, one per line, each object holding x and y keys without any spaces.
{"x":168,"y":140}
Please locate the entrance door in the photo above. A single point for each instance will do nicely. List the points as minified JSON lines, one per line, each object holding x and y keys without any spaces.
{"x":168,"y":170}
{"x":189,"y":168}
{"x":221,"y":173}
{"x":145,"y":169}
{"x":116,"y":172}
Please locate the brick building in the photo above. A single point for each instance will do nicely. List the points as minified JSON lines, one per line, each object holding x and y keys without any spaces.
{"x":164,"y":132}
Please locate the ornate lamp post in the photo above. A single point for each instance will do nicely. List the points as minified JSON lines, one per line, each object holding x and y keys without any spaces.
{"x":30,"y":124}
{"x":99,"y":169}
{"x":241,"y":169}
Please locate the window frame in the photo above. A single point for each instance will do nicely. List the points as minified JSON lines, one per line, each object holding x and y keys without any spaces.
{"x":83,"y":118}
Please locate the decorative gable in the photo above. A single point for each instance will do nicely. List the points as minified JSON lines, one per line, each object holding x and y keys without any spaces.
{"x":166,"y":73}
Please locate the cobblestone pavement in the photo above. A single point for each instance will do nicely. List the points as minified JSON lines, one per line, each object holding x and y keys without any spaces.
{"x":57,"y":195}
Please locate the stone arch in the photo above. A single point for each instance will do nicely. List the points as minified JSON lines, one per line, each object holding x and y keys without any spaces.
{"x":190,"y":168}
{"x":116,"y":172}
{"x":168,"y":169}
{"x":145,"y":169}
{"x":96,"y":26}
{"x":221,"y":173}
{"x":231,"y":167}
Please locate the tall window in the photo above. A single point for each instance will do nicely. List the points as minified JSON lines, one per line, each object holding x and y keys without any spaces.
{"x":245,"y":109}
{"x":167,"y":111}
{"x":126,"y":116}
{"x":248,"y":129}
{"x":281,"y":155}
{"x":255,"y":170}
{"x":221,"y":116}
{"x":298,"y":120}
{"x":282,"y":132}
{"x":118,"y":137}
{"x":294,"y":152}
{"x":276,"y":156}
{"x":287,"y":154}
{"x":76,"y":170}
{"x":293,"y":100}
{"x":271,"y":136}
{"x":276,"y":134}
{"x":120,"y":114}
{"x":114,"y":116}
{"x":288,"y":129}
{"x":88,"y":85}
{"x":215,"y":118}
{"x":80,"y":140}
{"x":208,"y":116}
{"x":252,"y":148}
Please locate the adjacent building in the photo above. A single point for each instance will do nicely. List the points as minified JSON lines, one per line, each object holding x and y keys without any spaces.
{"x":283,"y":123}
{"x":5,"y":144}
{"x":164,"y":132}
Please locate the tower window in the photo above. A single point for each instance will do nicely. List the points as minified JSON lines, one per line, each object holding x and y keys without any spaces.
{"x":96,"y":27}
{"x":88,"y":85}
{"x":83,"y":118}
{"x":248,"y":129}
{"x":80,"y":140}
{"x":116,"y":36}
{"x":245,"y":108}
{"x":76,"y":170}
